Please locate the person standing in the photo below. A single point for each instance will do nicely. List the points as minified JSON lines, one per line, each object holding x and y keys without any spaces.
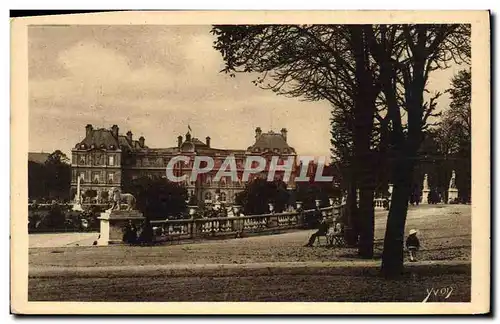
{"x":412,"y":244}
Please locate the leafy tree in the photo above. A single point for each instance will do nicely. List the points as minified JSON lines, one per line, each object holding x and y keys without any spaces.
{"x":157,"y":198}
{"x":258,"y":193}
{"x":55,"y":218}
{"x":58,"y":175}
{"x":454,"y":133}
{"x":104,"y":195}
{"x":90,"y":193}
{"x":460,"y":95}
{"x":36,"y":180}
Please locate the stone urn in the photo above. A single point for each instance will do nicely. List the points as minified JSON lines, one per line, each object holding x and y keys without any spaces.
{"x":318,"y":203}
{"x":271,"y":207}
{"x":192,"y":210}
{"x":236,"y":209}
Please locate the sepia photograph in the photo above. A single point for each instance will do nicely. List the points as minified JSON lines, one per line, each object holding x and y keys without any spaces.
{"x":251,"y":160}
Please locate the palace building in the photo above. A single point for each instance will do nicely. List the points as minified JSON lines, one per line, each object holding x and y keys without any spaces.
{"x":106,"y":159}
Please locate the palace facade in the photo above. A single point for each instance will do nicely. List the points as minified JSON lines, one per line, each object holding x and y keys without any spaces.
{"x":106,"y":159}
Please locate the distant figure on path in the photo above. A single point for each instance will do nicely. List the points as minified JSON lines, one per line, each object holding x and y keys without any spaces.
{"x":322,"y":230}
{"x":412,"y":244}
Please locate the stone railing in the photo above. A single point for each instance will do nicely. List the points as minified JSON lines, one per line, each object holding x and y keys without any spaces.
{"x":379,"y":203}
{"x":237,"y":226}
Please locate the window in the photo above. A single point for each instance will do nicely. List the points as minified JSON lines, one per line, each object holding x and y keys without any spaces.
{"x":111,"y":160}
{"x":81,"y":160}
{"x":208,"y":195}
{"x":82,"y":176}
{"x":95,"y":177}
{"x":223,"y":196}
{"x":111,"y":177}
{"x":98,"y":159}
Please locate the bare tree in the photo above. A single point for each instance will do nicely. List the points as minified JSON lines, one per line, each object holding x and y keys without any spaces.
{"x":317,"y":62}
{"x":407,"y":54}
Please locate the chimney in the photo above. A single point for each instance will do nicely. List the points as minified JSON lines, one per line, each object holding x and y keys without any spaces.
{"x":129,"y":136}
{"x":141,"y":141}
{"x":207,"y":140}
{"x":258,"y":132}
{"x":88,"y":129}
{"x":179,"y":141}
{"x":114,"y":130}
{"x":283,"y":133}
{"x":188,"y":137}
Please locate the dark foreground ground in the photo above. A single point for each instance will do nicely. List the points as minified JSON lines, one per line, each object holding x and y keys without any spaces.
{"x":299,"y":288}
{"x":444,"y":231}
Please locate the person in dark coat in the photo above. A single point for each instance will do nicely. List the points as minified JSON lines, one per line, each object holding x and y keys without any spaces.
{"x":412,"y":244}
{"x":322,"y":230}
{"x":130,"y":233}
{"x":147,"y":234}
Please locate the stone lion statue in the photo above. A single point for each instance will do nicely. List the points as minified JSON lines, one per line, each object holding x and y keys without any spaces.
{"x":119,"y":197}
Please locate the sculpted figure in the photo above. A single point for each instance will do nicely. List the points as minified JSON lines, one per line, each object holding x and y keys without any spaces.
{"x":118,"y":198}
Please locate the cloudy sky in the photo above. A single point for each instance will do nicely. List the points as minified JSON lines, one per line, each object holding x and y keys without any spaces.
{"x":154,"y":81}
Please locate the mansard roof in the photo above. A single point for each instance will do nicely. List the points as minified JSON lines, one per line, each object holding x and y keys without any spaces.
{"x":271,"y":141}
{"x":104,"y":139}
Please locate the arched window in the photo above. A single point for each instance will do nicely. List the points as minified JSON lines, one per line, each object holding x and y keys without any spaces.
{"x":223,"y":196}
{"x":208,"y":195}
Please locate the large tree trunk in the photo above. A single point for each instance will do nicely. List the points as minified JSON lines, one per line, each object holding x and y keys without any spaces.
{"x":364,"y":112}
{"x":392,"y":259}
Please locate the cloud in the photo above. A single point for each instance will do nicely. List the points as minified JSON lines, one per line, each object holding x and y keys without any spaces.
{"x":154,"y":80}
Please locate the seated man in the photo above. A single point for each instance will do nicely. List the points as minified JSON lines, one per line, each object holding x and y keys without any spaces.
{"x":322,"y":230}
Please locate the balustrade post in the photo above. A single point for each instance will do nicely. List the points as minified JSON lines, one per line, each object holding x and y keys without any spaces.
{"x":192,"y":228}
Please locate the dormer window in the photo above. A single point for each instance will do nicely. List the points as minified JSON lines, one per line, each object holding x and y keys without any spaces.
{"x":82,"y":146}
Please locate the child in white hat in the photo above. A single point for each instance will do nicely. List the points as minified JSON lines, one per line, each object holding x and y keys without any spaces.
{"x":412,"y":244}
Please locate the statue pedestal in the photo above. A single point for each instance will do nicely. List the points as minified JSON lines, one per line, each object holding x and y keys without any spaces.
{"x":452,"y":194}
{"x":425,"y":196}
{"x":77,"y":207}
{"x":113,"y":222}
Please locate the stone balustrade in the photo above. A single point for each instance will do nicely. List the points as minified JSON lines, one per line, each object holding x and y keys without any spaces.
{"x":235,"y":226}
